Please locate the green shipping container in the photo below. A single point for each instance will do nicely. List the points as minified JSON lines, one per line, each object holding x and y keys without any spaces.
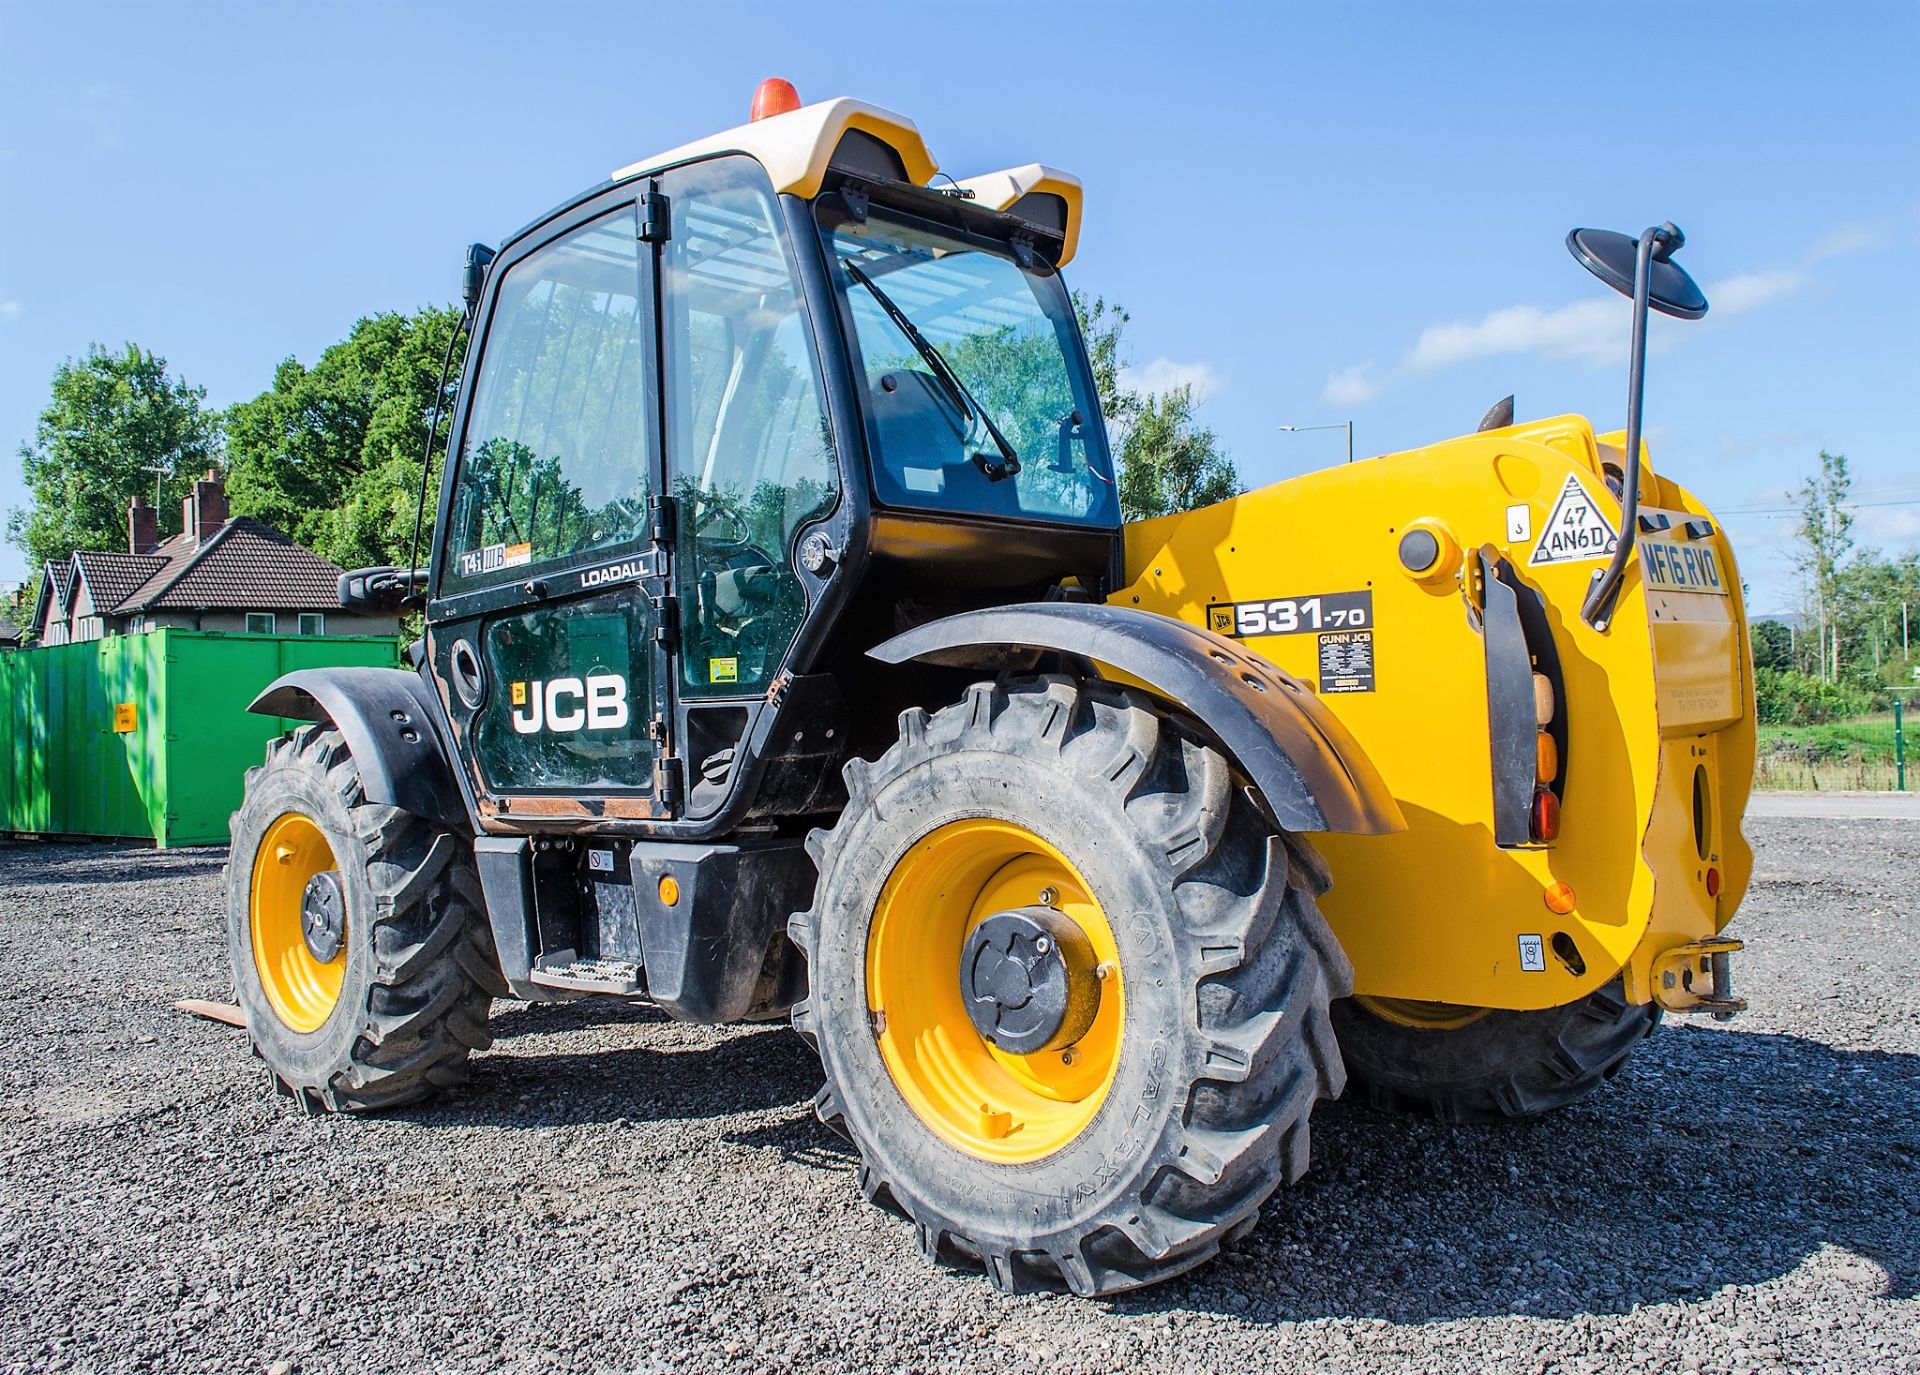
{"x":147,"y":736}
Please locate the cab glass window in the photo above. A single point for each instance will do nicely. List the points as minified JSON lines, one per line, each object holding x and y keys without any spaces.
{"x":553,"y":461}
{"x":747,"y":441}
{"x":963,"y":350}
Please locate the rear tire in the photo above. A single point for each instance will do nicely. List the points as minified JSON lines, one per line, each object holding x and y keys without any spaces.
{"x":393,"y":1014}
{"x":1224,"y":968}
{"x":1501,"y":1065}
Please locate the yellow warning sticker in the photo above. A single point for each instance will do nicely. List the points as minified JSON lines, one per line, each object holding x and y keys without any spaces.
{"x":723,"y":670}
{"x":519,"y":694}
{"x":126,"y":717}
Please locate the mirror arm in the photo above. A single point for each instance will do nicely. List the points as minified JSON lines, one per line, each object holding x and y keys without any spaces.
{"x":1598,"y":609}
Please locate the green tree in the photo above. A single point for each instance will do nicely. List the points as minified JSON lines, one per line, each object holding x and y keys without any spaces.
{"x":1168,"y":461}
{"x":1879,"y":601}
{"x":1102,"y":326}
{"x":1772,"y":645}
{"x":118,"y":426}
{"x":1825,"y":535}
{"x":331,"y":454}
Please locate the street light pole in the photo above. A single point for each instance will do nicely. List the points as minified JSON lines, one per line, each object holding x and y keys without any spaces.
{"x":1346,"y":425}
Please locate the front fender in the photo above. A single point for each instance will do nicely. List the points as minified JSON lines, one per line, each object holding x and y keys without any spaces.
{"x":1309,"y":769}
{"x":392,"y":728}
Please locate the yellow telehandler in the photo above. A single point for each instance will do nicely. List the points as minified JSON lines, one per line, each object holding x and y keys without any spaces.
{"x":786,"y":651}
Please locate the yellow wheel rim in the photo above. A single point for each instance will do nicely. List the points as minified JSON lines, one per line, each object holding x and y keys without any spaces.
{"x":1411,"y":1012}
{"x":988,"y":1102}
{"x":301,"y":989}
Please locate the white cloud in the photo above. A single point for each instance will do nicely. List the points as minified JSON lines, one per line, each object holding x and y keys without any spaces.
{"x":1852,"y":237}
{"x":1355,"y":386}
{"x":11,"y":310}
{"x":1897,"y":525}
{"x":1734,"y":295}
{"x":1163,"y":375}
{"x":1591,"y":332}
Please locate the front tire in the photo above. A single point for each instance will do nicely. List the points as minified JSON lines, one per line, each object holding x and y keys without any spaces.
{"x":1131,"y":1154}
{"x":1488,"y":1064}
{"x":357,"y":933}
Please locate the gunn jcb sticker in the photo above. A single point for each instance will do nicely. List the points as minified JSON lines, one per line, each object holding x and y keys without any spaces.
{"x":1292,"y":615}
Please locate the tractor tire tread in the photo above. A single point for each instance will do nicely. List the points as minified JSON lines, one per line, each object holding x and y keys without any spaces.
{"x":1507,"y":1065}
{"x":432,"y":974}
{"x":1260,"y":1046}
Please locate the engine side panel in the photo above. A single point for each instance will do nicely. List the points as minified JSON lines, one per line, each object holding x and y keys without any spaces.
{"x":1310,"y":575}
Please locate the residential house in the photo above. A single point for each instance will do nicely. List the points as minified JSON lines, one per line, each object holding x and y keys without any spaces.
{"x":220,"y":572}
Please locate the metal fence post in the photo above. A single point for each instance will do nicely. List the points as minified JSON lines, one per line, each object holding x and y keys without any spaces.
{"x":1899,"y":749}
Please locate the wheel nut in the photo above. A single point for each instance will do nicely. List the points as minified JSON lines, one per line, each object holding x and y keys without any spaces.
{"x":1042,"y":944}
{"x":1049,"y":896}
{"x":1104,"y":971}
{"x":1068,"y":1056}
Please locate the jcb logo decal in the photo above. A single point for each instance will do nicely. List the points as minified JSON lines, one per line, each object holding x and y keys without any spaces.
{"x":597,"y":702}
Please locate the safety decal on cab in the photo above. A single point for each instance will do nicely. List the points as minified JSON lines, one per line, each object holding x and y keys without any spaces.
{"x":1292,"y":615}
{"x":1577,"y":530}
{"x":495,"y":556}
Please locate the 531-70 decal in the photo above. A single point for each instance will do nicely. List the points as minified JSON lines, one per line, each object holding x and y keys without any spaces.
{"x":1292,"y":615}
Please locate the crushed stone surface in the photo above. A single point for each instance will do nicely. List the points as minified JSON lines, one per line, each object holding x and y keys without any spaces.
{"x":617,"y":1192}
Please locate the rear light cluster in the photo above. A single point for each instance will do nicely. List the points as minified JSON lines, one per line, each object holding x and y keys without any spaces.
{"x":1545,"y":814}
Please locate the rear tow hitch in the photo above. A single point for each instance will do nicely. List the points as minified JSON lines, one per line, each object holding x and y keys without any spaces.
{"x":1698,"y":977}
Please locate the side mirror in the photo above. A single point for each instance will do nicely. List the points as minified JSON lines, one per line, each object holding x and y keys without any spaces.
{"x":1611,"y":257}
{"x":479,"y":256}
{"x":382,"y":589}
{"x":1642,"y":269}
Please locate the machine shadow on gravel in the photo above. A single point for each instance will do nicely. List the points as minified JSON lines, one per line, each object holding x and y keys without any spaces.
{"x":1720,"y":1158}
{"x":740,"y":1073}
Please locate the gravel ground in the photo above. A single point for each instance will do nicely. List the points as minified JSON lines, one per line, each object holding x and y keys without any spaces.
{"x":617,"y":1192}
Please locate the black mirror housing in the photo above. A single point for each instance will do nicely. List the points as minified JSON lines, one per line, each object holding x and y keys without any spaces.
{"x":381,"y":589}
{"x":479,"y":257}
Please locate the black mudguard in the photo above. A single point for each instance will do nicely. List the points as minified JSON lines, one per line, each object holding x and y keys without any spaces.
{"x":1308,"y":768}
{"x":391,"y":724}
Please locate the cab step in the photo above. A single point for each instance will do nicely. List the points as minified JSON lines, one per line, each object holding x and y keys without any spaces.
{"x":566,"y":970}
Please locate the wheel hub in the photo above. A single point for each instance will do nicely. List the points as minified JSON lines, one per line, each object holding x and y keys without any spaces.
{"x":323,"y":915}
{"x":1029,"y":981}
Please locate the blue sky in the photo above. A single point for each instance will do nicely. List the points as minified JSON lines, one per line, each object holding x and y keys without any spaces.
{"x":1316,"y":212}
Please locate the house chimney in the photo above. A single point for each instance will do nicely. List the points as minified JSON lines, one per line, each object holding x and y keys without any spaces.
{"x":205,"y":510}
{"x":143,"y":526}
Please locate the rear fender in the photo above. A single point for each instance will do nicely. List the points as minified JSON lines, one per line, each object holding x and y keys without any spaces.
{"x":1308,"y":768}
{"x":392,"y":726}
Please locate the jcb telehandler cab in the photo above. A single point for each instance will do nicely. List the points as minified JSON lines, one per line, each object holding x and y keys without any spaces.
{"x":785,"y":649}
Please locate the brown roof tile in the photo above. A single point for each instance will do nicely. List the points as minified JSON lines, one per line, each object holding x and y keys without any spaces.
{"x":59,"y":575}
{"x":242,"y":565}
{"x":110,"y":577}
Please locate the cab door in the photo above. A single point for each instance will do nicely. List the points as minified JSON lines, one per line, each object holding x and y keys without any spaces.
{"x":554,"y":574}
{"x":749,"y":455}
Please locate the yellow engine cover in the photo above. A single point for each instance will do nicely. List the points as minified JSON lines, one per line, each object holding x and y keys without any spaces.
{"x":1659,"y":704}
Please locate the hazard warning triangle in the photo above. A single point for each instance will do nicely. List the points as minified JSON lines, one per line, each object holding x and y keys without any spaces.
{"x":1576,"y":530}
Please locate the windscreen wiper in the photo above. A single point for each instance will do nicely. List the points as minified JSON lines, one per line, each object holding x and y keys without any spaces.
{"x":956,"y":390}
